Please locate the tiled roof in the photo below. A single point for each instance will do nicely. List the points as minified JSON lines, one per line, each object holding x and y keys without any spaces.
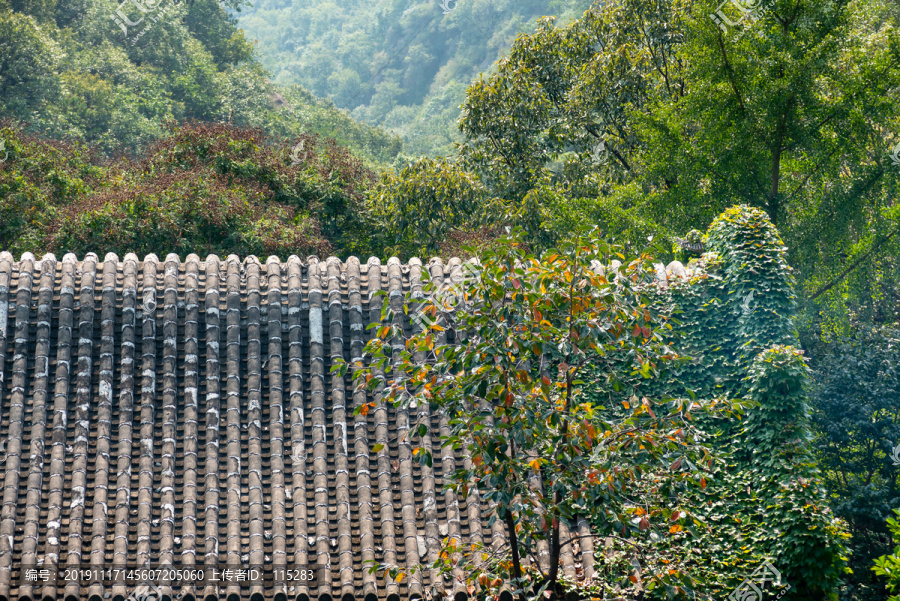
{"x":185,"y":413}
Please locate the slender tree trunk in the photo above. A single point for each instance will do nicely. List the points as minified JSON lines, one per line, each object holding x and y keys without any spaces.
{"x":555,"y":549}
{"x":514,"y":546}
{"x":773,"y":204}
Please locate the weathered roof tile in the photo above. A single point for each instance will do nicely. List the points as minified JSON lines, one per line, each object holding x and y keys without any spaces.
{"x":126,"y":456}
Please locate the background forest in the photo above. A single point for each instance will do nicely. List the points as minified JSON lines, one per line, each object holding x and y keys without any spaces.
{"x":393,"y":63}
{"x":395,"y":127}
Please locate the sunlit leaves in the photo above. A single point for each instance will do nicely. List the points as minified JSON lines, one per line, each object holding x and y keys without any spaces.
{"x":530,"y":335}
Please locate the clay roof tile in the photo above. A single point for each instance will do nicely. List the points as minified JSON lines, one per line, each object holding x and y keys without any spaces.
{"x":186,"y":413}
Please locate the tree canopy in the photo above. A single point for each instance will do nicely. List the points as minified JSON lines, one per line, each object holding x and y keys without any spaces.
{"x":649,"y":107}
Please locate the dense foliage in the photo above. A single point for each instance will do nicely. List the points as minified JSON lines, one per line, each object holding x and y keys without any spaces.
{"x":75,"y":69}
{"x":204,"y":188}
{"x":889,"y":565}
{"x":566,"y":383}
{"x":419,"y":207}
{"x":856,"y":405}
{"x":646,"y":108}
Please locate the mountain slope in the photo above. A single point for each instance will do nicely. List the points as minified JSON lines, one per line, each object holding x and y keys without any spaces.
{"x":111,"y":74}
{"x":397,"y":63}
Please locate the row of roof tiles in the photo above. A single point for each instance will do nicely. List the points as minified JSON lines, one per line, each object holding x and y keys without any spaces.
{"x":186,"y":413}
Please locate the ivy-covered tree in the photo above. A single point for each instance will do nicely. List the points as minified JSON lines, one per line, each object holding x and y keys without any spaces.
{"x":736,"y":310}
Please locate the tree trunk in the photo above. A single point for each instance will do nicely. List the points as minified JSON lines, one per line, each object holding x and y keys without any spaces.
{"x":514,"y":546}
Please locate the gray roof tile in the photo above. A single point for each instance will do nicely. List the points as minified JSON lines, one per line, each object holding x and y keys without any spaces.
{"x":168,"y":412}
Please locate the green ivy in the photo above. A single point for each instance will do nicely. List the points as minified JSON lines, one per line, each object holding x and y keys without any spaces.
{"x":765,"y":502}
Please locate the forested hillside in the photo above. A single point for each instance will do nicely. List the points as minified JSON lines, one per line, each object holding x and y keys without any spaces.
{"x":138,"y":124}
{"x":396,"y":63}
{"x":76,"y":70}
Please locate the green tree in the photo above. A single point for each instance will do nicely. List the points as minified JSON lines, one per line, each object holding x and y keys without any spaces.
{"x":889,"y":565}
{"x":28,"y":62}
{"x":422,"y":204}
{"x":565,"y":95}
{"x":532,"y":336}
{"x":793,"y":115}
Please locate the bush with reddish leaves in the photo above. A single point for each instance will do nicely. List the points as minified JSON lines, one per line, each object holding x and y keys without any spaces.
{"x":206,"y":188}
{"x":185,"y":212}
{"x":309,"y":174}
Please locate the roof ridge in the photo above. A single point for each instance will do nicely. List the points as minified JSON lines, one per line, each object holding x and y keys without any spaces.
{"x":665,"y":273}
